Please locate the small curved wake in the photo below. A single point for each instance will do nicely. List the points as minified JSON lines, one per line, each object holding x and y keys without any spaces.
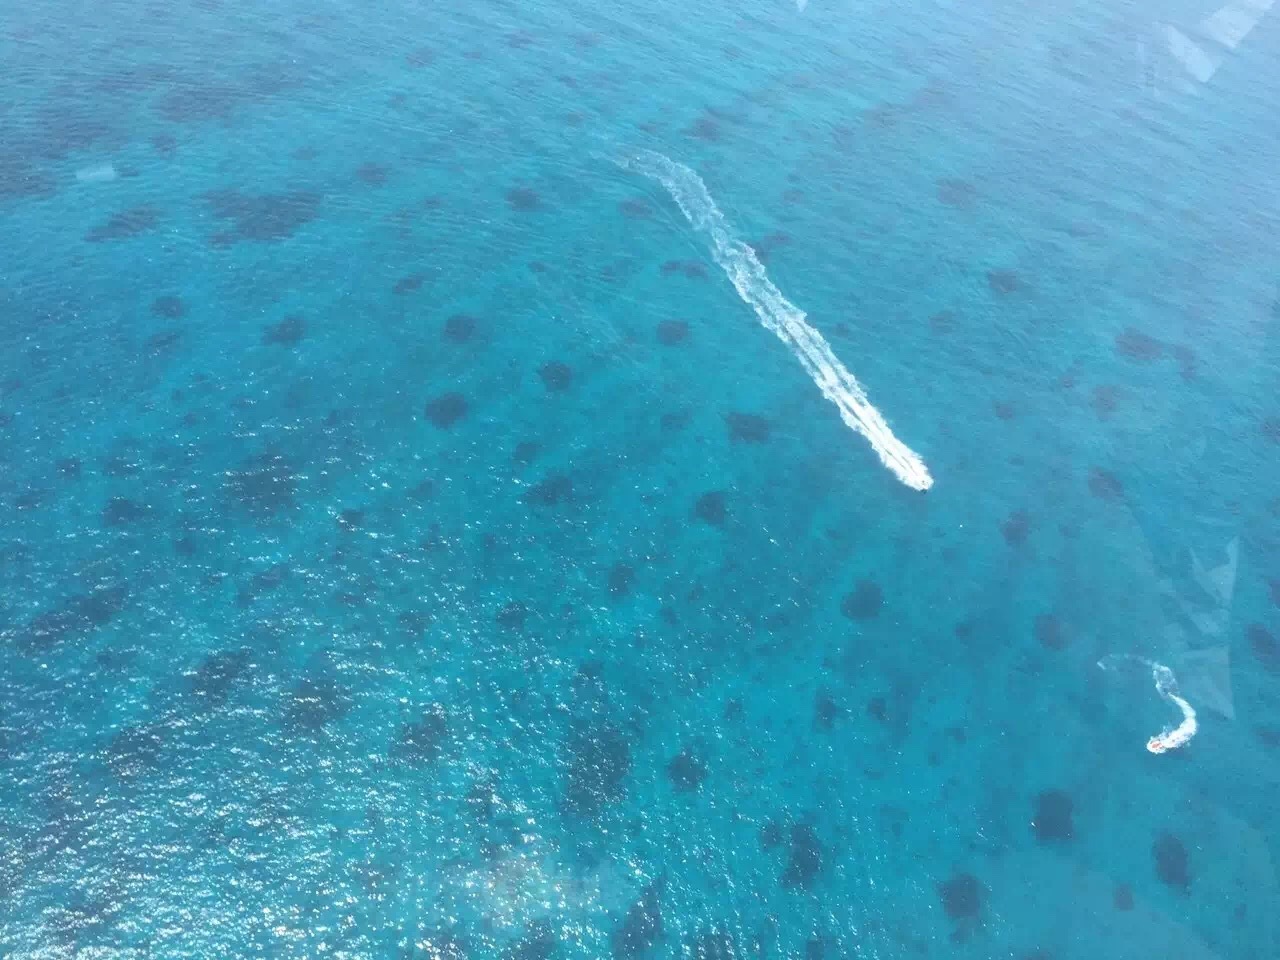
{"x":784,"y":318}
{"x":1170,"y":738}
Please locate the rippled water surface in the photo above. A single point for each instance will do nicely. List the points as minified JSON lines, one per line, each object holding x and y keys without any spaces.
{"x":446,"y":512}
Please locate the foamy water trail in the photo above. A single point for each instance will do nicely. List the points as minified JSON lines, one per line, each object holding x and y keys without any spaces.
{"x":780,"y":315}
{"x":1170,"y":738}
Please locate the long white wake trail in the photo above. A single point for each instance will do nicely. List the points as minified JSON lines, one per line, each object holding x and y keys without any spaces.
{"x":1170,"y":738}
{"x":780,"y":315}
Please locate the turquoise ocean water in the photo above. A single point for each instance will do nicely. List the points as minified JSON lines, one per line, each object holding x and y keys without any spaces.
{"x":417,"y":545}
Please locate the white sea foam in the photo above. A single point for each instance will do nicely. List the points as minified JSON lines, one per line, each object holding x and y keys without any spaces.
{"x":780,"y":315}
{"x":102,"y":173}
{"x":1232,"y":23}
{"x":1170,"y":738}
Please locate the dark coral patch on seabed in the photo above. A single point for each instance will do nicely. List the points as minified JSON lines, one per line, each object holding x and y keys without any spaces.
{"x":445,"y":410}
{"x":686,"y":772}
{"x":556,"y":376}
{"x":1265,"y":647}
{"x":1049,"y":632}
{"x":409,"y":284}
{"x":705,"y":128}
{"x":636,"y":209}
{"x":1052,"y":820}
{"x":213,"y":681}
{"x":692,"y":269}
{"x":164,"y":143}
{"x":79,"y":615}
{"x":1186,"y":358}
{"x":959,"y":194}
{"x":825,"y":711}
{"x":169,"y":307}
{"x":264,"y":218}
{"x":944,"y":321}
{"x":1016,"y":528}
{"x":1138,"y":346}
{"x":1105,"y":485}
{"x":372,"y":174}
{"x":963,"y":897}
{"x":48,"y":630}
{"x":126,"y":224}
{"x":771,"y":835}
{"x":265,"y":485}
{"x":711,"y":508}
{"x":164,"y":342}
{"x":525,"y":452}
{"x":512,"y":616}
{"x":556,"y":489}
{"x":672,"y":332}
{"x":538,"y":943}
{"x":747,"y":427}
{"x":442,"y":945}
{"x":766,"y":245}
{"x":1003,"y":282}
{"x":315,"y":703}
{"x":1172,"y":866}
{"x":288,"y":332}
{"x":642,"y":927}
{"x":422,"y":740}
{"x":1105,"y":399}
{"x":19,"y":179}
{"x":459,"y":328}
{"x":599,"y":759}
{"x":29,"y":500}
{"x":123,"y":512}
{"x":716,"y":946}
{"x":863,"y":602}
{"x":350,"y":519}
{"x":523,"y":200}
{"x":134,"y":751}
{"x":805,"y":861}
{"x":621,"y":578}
{"x":191,"y":102}
{"x":674,"y":420}
{"x":420,"y":57}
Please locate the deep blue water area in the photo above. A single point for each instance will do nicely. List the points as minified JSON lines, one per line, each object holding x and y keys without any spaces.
{"x":415,"y":545}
